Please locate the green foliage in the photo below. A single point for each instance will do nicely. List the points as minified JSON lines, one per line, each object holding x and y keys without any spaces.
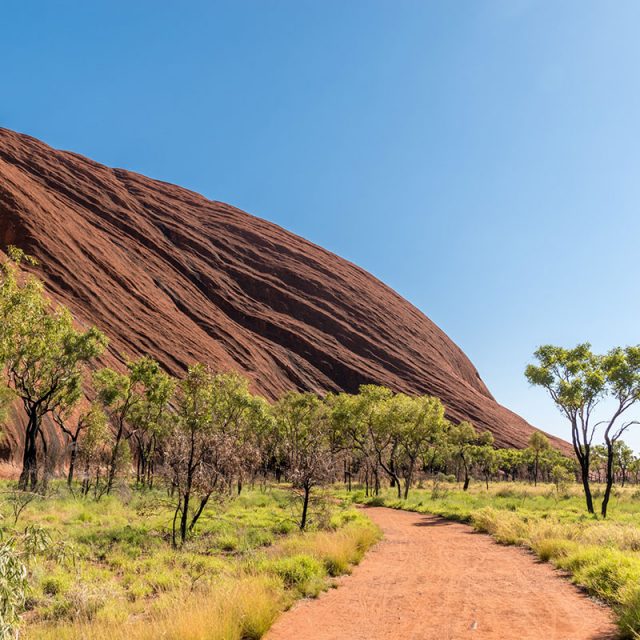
{"x":573,"y":377}
{"x":302,"y":424}
{"x":577,"y":380}
{"x":13,"y":589}
{"x":123,"y":567}
{"x":42,"y":354}
{"x":560,"y":477}
{"x":300,"y":572}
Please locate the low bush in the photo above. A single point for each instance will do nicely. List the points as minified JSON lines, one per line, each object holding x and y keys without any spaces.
{"x":246,"y":564}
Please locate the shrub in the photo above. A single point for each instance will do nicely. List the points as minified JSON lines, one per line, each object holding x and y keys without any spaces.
{"x":53,"y":585}
{"x":298,"y":570}
{"x":553,"y":548}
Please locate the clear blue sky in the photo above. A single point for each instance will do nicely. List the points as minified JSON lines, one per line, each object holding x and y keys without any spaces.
{"x":482,"y":158}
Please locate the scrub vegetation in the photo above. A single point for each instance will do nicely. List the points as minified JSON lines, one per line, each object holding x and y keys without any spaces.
{"x":191,"y":508}
{"x":107,"y":569}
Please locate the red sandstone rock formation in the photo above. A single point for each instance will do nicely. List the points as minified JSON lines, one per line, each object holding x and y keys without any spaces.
{"x":165,"y":271}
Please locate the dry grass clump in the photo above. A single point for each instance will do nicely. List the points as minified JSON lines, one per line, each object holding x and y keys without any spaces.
{"x":337,"y":550}
{"x":239,"y":609}
{"x":242,"y":567}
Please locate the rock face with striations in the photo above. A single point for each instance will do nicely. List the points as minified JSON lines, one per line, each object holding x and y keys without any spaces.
{"x":164,"y":271}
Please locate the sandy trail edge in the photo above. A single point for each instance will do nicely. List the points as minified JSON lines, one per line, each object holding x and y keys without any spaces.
{"x":432,"y":579}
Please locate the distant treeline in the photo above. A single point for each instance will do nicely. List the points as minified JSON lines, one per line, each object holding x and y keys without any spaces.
{"x":207,"y":434}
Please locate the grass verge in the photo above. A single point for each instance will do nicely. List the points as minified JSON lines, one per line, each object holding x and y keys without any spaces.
{"x":110,"y":572}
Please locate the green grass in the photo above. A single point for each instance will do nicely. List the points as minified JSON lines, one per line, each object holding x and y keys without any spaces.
{"x":110,"y":571}
{"x":601,"y":555}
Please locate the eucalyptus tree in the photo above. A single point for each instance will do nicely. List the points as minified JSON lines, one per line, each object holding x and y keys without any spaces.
{"x":599,"y":462}
{"x":538,"y":445}
{"x":302,"y":420}
{"x":624,"y":459}
{"x":350,"y":416}
{"x":150,"y":418}
{"x":510,"y":462}
{"x":484,"y":456}
{"x":621,"y":368}
{"x":419,"y":423}
{"x":43,"y":356}
{"x":191,"y":446}
{"x":239,"y":421}
{"x":94,"y":448}
{"x":73,"y":433}
{"x":576,"y":382}
{"x":376,"y":418}
{"x":461,"y":438}
{"x":137,"y":402}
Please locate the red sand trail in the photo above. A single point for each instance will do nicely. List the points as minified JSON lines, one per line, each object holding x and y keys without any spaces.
{"x":431,"y":579}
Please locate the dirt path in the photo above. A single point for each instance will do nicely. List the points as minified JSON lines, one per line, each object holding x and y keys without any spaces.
{"x":430,"y":579}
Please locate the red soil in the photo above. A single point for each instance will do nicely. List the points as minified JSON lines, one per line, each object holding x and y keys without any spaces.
{"x":431,"y":579}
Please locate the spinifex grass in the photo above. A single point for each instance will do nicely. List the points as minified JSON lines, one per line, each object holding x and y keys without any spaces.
{"x":601,"y":555}
{"x":111,"y":571}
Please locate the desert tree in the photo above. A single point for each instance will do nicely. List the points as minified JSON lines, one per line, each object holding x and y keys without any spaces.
{"x":190,"y":443}
{"x":302,"y":422}
{"x":257,"y":438}
{"x":136,"y":402}
{"x":349,"y":417}
{"x":561,"y":477}
{"x":461,"y":439}
{"x":94,"y":448}
{"x":43,"y":355}
{"x":419,"y":423}
{"x":483,"y":455}
{"x":436,"y":455}
{"x":202,"y":452}
{"x":538,"y":446}
{"x":74,"y":432}
{"x":150,"y":418}
{"x":621,"y":367}
{"x":510,"y":462}
{"x":239,"y":422}
{"x":576,"y":382}
{"x":599,"y":462}
{"x":373,"y":409}
{"x":634,"y":469}
{"x":624,"y":459}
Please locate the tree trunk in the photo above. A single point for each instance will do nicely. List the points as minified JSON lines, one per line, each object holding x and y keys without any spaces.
{"x":72,"y":461}
{"x":583,"y":456}
{"x":466,"y":474}
{"x":584,"y":472}
{"x":607,"y":491}
{"x":305,"y":507}
{"x":408,"y":479}
{"x":173,"y":527}
{"x":185,"y":516}
{"x":113,"y":463}
{"x":29,"y":474}
{"x":199,"y":510}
